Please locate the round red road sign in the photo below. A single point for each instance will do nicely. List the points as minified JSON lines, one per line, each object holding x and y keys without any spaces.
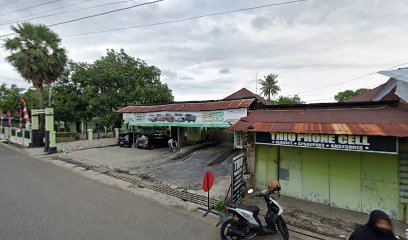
{"x":208,"y":181}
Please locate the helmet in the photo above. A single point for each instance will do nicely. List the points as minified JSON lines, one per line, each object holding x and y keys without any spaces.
{"x":274,"y":185}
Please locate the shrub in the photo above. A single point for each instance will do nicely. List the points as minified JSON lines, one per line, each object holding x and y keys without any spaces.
{"x":220,"y":206}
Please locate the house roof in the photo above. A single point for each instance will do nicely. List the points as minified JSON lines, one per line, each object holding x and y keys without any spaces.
{"x":400,"y":74}
{"x":383,"y":92}
{"x":245,"y":93}
{"x":191,"y":106}
{"x":367,"y":96}
{"x":395,"y":88}
{"x":376,"y":121}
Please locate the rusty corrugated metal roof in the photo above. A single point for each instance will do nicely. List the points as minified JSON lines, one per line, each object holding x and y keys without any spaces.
{"x":380,"y":121}
{"x":190,"y":107}
{"x":374,"y":93}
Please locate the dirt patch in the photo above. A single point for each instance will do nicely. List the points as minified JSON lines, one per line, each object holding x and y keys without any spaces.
{"x":314,"y":222}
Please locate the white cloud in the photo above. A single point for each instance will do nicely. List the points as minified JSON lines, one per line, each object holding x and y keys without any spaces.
{"x":309,"y":44}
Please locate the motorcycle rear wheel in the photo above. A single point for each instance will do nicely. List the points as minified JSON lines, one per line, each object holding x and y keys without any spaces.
{"x":283,"y":229}
{"x":229,"y":224}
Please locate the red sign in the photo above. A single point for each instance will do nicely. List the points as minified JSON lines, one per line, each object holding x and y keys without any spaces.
{"x":208,"y":181}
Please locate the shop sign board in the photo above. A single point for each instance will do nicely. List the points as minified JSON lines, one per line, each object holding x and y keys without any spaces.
{"x":220,"y":118}
{"x":358,"y":143}
{"x":237,"y":177}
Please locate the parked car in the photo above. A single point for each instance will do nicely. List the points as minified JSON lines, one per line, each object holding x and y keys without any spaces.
{"x":152,"y":118}
{"x":151,"y":141}
{"x":168,"y":117}
{"x":160,"y":117}
{"x":126,"y":139}
{"x":178,"y":117}
{"x":190,"y":118}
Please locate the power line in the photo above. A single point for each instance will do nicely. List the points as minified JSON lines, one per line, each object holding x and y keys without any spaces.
{"x":64,"y":12}
{"x":186,"y":19}
{"x":368,"y":87}
{"x":349,"y":80}
{"x":30,"y":17}
{"x":95,"y":15}
{"x":8,"y":3}
{"x":104,"y":13}
{"x":31,"y":7}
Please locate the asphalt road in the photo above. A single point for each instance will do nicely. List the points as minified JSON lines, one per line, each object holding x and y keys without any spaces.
{"x":42,"y":201}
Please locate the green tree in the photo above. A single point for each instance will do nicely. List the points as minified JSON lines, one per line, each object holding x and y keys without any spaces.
{"x":9,"y":98}
{"x":32,"y":97}
{"x":67,"y":98}
{"x":117,"y":80}
{"x":346,"y":95}
{"x":36,"y":54}
{"x":288,"y":100}
{"x":269,"y":86}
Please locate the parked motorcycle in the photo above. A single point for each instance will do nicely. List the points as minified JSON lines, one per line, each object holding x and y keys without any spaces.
{"x":242,"y":221}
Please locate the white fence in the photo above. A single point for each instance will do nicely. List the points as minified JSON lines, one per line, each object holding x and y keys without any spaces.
{"x":22,"y":138}
{"x":86,"y":144}
{"x":13,"y":135}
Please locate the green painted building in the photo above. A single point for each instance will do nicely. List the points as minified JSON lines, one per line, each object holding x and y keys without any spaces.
{"x":352,"y":156}
{"x":190,"y":122}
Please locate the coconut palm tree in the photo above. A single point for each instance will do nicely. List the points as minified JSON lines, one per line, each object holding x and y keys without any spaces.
{"x":36,"y":54}
{"x":269,"y":86}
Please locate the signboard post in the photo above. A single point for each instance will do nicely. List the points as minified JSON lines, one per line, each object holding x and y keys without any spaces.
{"x":237,"y":178}
{"x":208,"y":183}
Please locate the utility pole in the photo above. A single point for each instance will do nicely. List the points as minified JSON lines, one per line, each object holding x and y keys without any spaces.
{"x":256,"y":82}
{"x":49,"y":95}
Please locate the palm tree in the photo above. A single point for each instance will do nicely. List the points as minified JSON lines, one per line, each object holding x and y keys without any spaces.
{"x":269,"y":86}
{"x":36,"y":54}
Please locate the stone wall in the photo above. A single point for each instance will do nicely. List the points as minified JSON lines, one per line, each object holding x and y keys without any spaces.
{"x":86,"y":144}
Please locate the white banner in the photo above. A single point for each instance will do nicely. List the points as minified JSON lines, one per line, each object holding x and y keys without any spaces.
{"x":221,"y":118}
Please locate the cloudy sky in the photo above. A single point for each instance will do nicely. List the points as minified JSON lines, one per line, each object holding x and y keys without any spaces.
{"x":310,"y":44}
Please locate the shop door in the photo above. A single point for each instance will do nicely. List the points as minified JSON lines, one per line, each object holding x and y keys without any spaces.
{"x":316,"y":187}
{"x":380,"y":188}
{"x":266,"y":165}
{"x":345,"y":180}
{"x":291,"y":173}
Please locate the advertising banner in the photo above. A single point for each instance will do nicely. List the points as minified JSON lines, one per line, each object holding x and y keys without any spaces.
{"x":221,"y":118}
{"x":237,"y":177}
{"x":331,"y":141}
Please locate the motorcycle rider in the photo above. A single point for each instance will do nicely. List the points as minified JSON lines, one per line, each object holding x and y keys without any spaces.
{"x":379,"y":227}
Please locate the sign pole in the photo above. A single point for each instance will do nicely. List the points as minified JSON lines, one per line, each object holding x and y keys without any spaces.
{"x":208,"y":193}
{"x":208,"y":182}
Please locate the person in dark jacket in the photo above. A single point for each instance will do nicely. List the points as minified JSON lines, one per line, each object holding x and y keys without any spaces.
{"x":379,"y":227}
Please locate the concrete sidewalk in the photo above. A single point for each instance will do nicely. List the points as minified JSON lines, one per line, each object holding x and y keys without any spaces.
{"x":320,"y":218}
{"x":182,"y":169}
